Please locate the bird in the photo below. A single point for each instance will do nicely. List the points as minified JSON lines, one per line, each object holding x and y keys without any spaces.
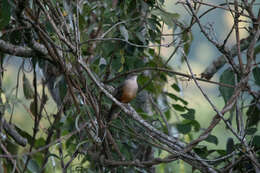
{"x":124,"y":93}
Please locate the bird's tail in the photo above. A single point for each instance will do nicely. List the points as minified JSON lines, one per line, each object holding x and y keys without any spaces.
{"x":112,"y":112}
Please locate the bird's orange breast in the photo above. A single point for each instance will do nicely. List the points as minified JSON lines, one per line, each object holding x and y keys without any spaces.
{"x":128,"y":93}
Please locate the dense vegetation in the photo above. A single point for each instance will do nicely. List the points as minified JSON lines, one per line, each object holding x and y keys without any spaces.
{"x":73,"y":54}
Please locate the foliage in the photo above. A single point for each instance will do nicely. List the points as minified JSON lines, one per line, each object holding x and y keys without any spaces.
{"x":84,"y":48}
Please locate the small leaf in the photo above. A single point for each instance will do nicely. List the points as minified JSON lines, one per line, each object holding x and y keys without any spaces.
{"x":256,"y":141}
{"x":176,"y":87}
{"x":178,"y":107}
{"x":168,"y":114}
{"x":33,"y":108}
{"x":124,"y":32}
{"x":251,"y":131}
{"x":256,"y":73}
{"x":184,"y":127}
{"x":163,"y":77}
{"x":27,"y":89}
{"x":3,"y":98}
{"x":63,"y":88}
{"x":253,"y":114}
{"x":176,"y":98}
{"x":189,"y":115}
{"x":173,"y":96}
{"x":230,"y":146}
{"x":32,"y":165}
{"x":196,"y":125}
{"x":122,"y":60}
{"x":187,"y":38}
{"x":39,"y":142}
{"x":227,"y":77}
{"x":201,"y":150}
{"x":221,"y":152}
{"x":212,"y":139}
{"x":5,"y":13}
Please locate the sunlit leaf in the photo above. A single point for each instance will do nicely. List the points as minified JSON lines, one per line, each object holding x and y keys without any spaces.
{"x":178,"y":107}
{"x":39,"y":142}
{"x":176,"y":87}
{"x":212,"y":139}
{"x":196,"y":125}
{"x":168,"y":114}
{"x":184,"y":127}
{"x":189,"y":115}
{"x":176,"y":98}
{"x":187,"y":38}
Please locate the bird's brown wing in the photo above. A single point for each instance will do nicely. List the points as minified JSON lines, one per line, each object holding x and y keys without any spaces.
{"x":118,"y":92}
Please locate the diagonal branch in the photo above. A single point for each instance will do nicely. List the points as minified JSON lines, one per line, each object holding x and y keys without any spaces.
{"x":22,"y":51}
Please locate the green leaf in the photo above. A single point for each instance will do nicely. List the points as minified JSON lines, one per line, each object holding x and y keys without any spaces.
{"x":62,"y":88}
{"x":251,"y":131}
{"x":227,"y":77}
{"x":178,"y":107}
{"x":5,"y":13}
{"x":256,"y":73}
{"x":187,"y":39}
{"x":33,"y":108}
{"x":32,"y":165}
{"x":39,"y":142}
{"x":163,"y":77}
{"x":256,"y":141}
{"x":184,"y":127}
{"x":190,"y":115}
{"x":196,"y":125}
{"x":176,"y":87}
{"x":27,"y":89}
{"x":221,"y":152}
{"x":230,"y":147}
{"x":257,"y":50}
{"x":176,"y":98}
{"x":253,"y":114}
{"x":168,"y":114}
{"x":212,"y":139}
{"x":124,"y":32}
{"x":202,"y":151}
{"x":173,"y":96}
